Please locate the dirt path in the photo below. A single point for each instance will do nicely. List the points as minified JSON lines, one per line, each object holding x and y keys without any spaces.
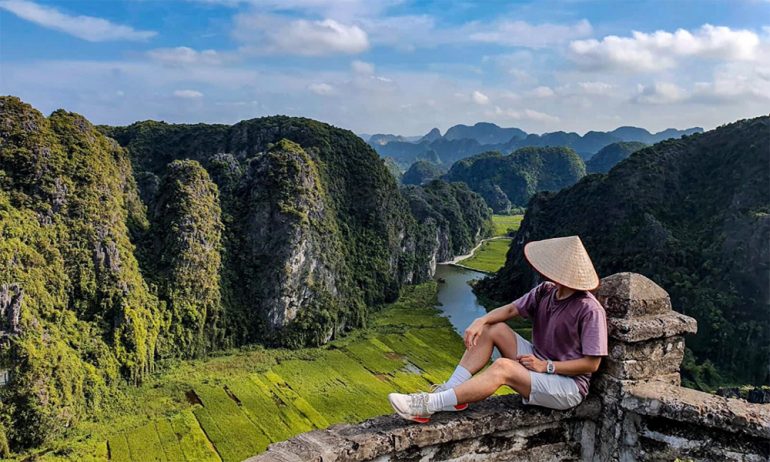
{"x":460,"y":258}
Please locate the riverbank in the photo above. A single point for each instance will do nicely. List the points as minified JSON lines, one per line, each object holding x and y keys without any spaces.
{"x":233,"y":405}
{"x":489,"y":255}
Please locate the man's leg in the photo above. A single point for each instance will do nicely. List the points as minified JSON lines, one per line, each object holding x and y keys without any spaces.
{"x":496,"y":335}
{"x":504,"y":371}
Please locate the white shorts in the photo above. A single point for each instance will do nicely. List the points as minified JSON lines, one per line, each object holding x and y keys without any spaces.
{"x":548,"y":390}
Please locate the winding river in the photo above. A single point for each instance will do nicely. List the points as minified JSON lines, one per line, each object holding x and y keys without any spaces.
{"x":456,"y":298}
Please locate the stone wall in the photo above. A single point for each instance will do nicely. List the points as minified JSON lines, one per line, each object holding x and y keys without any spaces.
{"x":635,"y":410}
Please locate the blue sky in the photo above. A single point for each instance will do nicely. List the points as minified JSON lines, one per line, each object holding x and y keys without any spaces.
{"x":394,"y":66}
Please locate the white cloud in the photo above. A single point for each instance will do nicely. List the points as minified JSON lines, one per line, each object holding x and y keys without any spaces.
{"x":542,"y":92}
{"x":181,"y":56}
{"x":523,"y":34}
{"x":479,"y":97}
{"x":662,"y":50}
{"x":188,"y":94}
{"x":278,"y":34}
{"x":322,"y":89}
{"x":85,"y":27}
{"x":526,"y":114}
{"x":362,"y":67}
{"x":660,"y":93}
{"x":595,"y":88}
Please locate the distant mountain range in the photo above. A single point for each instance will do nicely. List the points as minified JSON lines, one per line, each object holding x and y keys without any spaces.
{"x":462,"y":141}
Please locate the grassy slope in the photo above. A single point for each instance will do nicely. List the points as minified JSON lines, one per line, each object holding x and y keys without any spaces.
{"x":250,"y":398}
{"x":490,"y":257}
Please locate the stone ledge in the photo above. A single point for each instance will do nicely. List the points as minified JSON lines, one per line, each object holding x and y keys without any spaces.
{"x":650,"y":327}
{"x":696,"y":407}
{"x":391,"y":434}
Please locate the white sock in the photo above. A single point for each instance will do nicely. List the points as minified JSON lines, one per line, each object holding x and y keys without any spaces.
{"x":459,"y":376}
{"x":438,"y":401}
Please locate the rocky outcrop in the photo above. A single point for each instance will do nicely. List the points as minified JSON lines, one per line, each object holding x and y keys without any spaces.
{"x":186,"y":259}
{"x":292,"y":243}
{"x":451,"y":220}
{"x":635,"y":409}
{"x":11,"y":298}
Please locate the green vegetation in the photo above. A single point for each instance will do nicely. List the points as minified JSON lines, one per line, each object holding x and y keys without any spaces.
{"x":490,"y":257}
{"x":78,"y":312}
{"x":510,"y":181}
{"x":704,"y":237}
{"x":421,"y":172}
{"x":186,"y":259}
{"x":232,"y":406}
{"x":275,"y":176}
{"x":191,"y":239}
{"x":449,"y":213}
{"x":506,"y":225}
{"x":604,"y":160}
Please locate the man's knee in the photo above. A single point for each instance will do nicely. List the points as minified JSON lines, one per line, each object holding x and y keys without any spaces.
{"x":498,"y":330}
{"x":509,"y":370}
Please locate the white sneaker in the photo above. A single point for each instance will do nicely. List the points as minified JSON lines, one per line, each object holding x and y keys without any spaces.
{"x":413,"y":406}
{"x":439,"y":387}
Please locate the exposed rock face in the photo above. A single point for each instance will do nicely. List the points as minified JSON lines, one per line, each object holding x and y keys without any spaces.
{"x":635,"y":409}
{"x":452,"y":219}
{"x":292,"y":240}
{"x":11,"y":297}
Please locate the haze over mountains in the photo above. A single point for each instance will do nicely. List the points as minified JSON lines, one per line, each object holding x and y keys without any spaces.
{"x":462,"y":141}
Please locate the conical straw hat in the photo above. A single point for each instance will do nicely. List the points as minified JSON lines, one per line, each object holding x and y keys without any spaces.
{"x":563,"y":260}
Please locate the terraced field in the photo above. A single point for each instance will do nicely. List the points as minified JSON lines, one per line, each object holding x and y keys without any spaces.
{"x":231,"y":407}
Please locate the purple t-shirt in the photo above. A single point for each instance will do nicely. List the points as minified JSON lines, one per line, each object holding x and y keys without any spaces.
{"x":565,"y":329}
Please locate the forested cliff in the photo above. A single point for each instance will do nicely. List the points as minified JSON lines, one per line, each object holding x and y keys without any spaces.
{"x":510,"y":180}
{"x":176,"y":240}
{"x":692,"y":214}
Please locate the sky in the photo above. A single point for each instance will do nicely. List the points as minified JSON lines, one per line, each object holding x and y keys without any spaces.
{"x":393,"y":66}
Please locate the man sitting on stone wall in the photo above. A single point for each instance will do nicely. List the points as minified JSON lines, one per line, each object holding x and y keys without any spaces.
{"x":569,"y":337}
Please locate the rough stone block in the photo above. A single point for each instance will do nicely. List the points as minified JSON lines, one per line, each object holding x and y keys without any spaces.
{"x":655,"y":349}
{"x":644,"y":360}
{"x":650,"y":327}
{"x":628,"y":295}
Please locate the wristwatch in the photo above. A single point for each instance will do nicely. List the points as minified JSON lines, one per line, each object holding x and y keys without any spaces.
{"x":550,"y":368}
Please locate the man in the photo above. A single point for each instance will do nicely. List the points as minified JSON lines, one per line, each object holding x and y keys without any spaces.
{"x":569,"y":337}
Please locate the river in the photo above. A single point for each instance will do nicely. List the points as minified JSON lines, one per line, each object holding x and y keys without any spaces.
{"x":455,"y":297}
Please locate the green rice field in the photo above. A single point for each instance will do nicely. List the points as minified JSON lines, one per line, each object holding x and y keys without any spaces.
{"x":230,"y":407}
{"x":490,"y":257}
{"x":504,"y":223}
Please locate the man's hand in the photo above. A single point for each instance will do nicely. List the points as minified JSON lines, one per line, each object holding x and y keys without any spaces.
{"x":473,"y":332}
{"x":532,"y":363}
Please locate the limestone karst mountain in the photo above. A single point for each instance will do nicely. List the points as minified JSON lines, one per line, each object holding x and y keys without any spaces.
{"x":505,"y":181}
{"x":187,"y":239}
{"x":608,"y":156}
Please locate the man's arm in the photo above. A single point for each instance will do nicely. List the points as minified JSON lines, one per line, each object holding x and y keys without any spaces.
{"x":580,"y":366}
{"x":499,"y":314}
